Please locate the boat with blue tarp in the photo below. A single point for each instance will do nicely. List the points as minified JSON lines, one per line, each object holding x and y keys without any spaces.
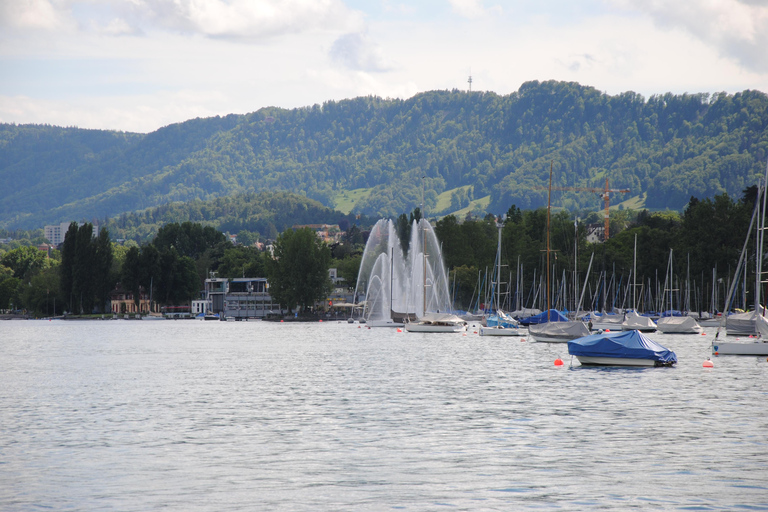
{"x":622,"y":348}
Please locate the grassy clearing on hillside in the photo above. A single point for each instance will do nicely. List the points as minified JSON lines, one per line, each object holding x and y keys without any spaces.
{"x":633,"y":203}
{"x":444,"y":199}
{"x":345,"y":200}
{"x":477,"y":204}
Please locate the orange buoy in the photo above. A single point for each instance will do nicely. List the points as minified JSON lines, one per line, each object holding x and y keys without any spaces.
{"x":522,"y":339}
{"x":399,"y":330}
{"x":321,"y":320}
{"x":607,"y":330}
{"x":708,"y":363}
{"x":358,"y":327}
{"x":281,"y":321}
{"x":558,"y":362}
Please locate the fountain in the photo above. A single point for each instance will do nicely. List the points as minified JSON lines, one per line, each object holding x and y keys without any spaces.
{"x":397,"y":287}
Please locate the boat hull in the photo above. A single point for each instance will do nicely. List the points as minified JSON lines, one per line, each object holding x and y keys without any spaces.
{"x":616,"y":361}
{"x":500,"y":331}
{"x":435,"y":328}
{"x":740,"y":349}
{"x":384,"y":323}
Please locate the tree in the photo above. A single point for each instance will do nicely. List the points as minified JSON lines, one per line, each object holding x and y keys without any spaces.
{"x":298,"y":271}
{"x":24,"y":261}
{"x":83,"y":282}
{"x":104,"y":280}
{"x":130,"y":276}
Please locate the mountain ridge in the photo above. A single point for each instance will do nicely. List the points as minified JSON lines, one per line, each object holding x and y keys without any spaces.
{"x":669,"y":147}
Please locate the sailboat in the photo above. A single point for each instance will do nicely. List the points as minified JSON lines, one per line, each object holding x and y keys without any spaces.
{"x":429,"y":321}
{"x":503,"y":324}
{"x":669,"y":323}
{"x":759,"y":347}
{"x":553,"y":331}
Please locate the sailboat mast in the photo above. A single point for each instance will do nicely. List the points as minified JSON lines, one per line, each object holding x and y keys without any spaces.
{"x":498,"y":269}
{"x":634,"y":277}
{"x":549,"y":203}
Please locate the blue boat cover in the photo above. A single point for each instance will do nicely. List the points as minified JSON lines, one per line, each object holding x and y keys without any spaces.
{"x":626,"y":344}
{"x":541,"y":318}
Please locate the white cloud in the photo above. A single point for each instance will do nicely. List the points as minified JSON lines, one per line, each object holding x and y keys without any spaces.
{"x":239,"y":19}
{"x":358,"y":53}
{"x":471,"y":8}
{"x":31,"y":14}
{"x":738,"y":29}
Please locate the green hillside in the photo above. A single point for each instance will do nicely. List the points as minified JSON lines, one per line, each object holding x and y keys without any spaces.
{"x":374,"y":156}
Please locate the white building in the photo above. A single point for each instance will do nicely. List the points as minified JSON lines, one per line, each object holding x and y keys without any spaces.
{"x":56,"y":233}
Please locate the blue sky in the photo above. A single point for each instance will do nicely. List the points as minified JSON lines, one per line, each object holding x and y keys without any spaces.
{"x":137,"y":65}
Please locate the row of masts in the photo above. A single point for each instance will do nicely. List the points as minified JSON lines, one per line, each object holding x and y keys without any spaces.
{"x":605,"y":291}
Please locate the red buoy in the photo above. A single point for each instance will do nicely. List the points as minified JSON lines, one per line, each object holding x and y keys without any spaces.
{"x":708,"y":364}
{"x":558,"y":362}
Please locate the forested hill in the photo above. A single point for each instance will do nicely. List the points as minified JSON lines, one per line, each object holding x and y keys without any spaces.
{"x":261,"y":215}
{"x":666,"y":149}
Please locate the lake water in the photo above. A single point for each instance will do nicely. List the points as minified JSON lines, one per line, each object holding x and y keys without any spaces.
{"x":221,"y":416}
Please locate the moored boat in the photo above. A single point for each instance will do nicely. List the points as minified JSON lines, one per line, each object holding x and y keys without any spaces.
{"x":437,"y":322}
{"x":635,"y":322}
{"x":624,"y":348}
{"x":678,"y":325}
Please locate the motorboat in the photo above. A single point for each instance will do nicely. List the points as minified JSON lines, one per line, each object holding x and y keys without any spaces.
{"x":635,"y":322}
{"x":437,"y":322}
{"x":558,"y":331}
{"x":622,"y":348}
{"x":678,"y":325}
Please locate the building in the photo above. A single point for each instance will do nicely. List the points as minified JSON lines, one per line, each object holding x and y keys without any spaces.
{"x":328,"y":233}
{"x":121,"y":301}
{"x":56,"y":233}
{"x":242,"y":297}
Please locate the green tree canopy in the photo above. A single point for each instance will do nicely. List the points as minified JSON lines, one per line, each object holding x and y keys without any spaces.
{"x":298,"y":272}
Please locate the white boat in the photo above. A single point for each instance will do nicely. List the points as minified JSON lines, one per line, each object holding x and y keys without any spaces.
{"x":678,"y":325}
{"x":385,"y":323}
{"x":606,"y":321}
{"x":437,"y":322}
{"x":501,"y":331}
{"x":753,"y":322}
{"x":558,"y":332}
{"x":635,"y":322}
{"x":756,"y":348}
{"x":500,"y":324}
{"x":741,"y":324}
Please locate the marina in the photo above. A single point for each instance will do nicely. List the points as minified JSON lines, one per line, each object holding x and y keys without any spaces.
{"x":230,"y":416}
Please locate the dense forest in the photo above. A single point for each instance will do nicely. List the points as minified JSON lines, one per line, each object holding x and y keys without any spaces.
{"x":389,"y":152}
{"x":250,"y":216}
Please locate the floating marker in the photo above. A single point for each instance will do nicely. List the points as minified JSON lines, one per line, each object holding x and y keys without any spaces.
{"x":708,"y":363}
{"x":399,"y":330}
{"x":358,"y":327}
{"x":607,"y":330}
{"x":281,"y":321}
{"x":522,"y":339}
{"x":321,"y":320}
{"x":558,"y":362}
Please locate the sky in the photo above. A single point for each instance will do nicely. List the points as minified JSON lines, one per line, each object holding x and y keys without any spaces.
{"x":138,"y":65}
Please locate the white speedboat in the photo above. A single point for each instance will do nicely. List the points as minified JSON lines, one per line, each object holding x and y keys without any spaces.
{"x":437,"y":322}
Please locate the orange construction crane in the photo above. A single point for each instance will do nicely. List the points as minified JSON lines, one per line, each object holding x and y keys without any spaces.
{"x":604,"y":193}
